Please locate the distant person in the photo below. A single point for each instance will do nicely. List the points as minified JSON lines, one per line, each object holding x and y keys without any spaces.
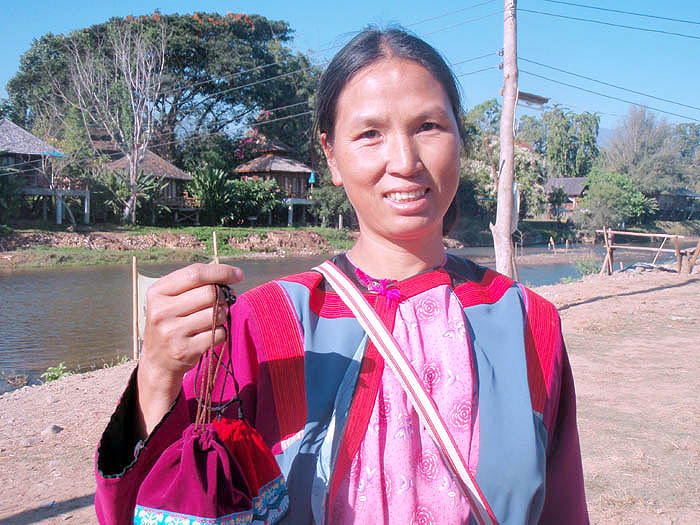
{"x":352,"y":448}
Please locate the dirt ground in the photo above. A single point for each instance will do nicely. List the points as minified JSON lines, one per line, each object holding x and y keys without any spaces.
{"x":633,"y":343}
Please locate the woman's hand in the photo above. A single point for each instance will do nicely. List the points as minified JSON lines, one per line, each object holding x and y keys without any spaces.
{"x":177,"y":332}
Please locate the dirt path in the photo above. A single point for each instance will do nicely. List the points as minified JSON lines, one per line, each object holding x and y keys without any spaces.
{"x":633,"y":344}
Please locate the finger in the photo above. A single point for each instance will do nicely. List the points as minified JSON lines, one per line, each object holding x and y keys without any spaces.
{"x":196,"y":275}
{"x":203,"y":340}
{"x":192,"y":301}
{"x":200,"y":322}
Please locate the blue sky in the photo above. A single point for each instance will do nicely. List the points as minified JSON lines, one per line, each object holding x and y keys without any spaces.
{"x":661,"y":65}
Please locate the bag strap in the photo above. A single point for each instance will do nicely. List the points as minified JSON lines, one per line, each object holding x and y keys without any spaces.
{"x":422,"y":401}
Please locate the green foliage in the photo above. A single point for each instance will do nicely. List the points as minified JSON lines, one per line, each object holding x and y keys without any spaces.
{"x":555,"y":200}
{"x":253,"y":198}
{"x":532,"y":131}
{"x":213,"y":189}
{"x":612,"y":199}
{"x":571,"y":142}
{"x":588,"y":265}
{"x":10,"y":198}
{"x":649,"y":151}
{"x":484,"y":118}
{"x":54,"y":373}
{"x":114,"y":190}
{"x":332,"y":202}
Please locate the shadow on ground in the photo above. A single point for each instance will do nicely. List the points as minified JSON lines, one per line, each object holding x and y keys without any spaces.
{"x":635,"y":292}
{"x":48,"y":511}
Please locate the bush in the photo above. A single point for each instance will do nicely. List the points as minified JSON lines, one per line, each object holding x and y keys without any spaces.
{"x":56,"y":372}
{"x":588,"y":266}
{"x":613,"y":199}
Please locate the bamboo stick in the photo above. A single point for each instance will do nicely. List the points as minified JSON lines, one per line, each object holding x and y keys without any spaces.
{"x":695,"y":258}
{"x":216,"y":248}
{"x":135,"y":307}
{"x":642,"y":248}
{"x":637,"y":234}
{"x":659,"y":252}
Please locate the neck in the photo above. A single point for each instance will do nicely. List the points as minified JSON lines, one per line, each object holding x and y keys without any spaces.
{"x":396,"y":260}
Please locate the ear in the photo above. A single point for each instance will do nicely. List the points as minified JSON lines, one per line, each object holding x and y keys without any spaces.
{"x":330,"y":159}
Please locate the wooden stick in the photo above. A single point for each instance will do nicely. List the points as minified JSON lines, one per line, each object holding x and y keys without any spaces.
{"x":642,"y":248}
{"x":637,"y":234}
{"x":135,"y":307}
{"x":216,"y":248}
{"x":659,"y":252}
{"x":607,"y":251}
{"x":605,"y":263}
{"x":679,"y":256}
{"x":695,"y":258}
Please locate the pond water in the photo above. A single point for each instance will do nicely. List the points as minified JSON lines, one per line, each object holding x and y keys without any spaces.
{"x":82,"y":316}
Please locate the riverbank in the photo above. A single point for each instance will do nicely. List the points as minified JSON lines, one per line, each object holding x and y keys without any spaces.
{"x":637,"y":409}
{"x":90,"y":246}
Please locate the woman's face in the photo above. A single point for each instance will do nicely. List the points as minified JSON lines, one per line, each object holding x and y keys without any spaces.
{"x":395,"y":149}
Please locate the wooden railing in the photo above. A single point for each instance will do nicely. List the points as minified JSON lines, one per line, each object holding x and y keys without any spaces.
{"x":610,"y":247}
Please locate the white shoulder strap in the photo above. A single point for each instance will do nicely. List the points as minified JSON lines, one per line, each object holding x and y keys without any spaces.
{"x":420,"y":399}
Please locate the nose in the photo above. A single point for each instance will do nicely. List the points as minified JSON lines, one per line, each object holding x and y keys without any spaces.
{"x":403,"y":158}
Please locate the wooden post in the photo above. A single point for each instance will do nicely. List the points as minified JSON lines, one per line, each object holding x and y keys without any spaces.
{"x":515,"y":266}
{"x":135,"y":307}
{"x":604,"y":268}
{"x":502,"y":230}
{"x":659,"y":252}
{"x":679,"y":255}
{"x":611,"y":261}
{"x":691,"y":262}
{"x":216,"y":248}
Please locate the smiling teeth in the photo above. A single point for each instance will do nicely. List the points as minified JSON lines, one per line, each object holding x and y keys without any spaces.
{"x":406,"y":196}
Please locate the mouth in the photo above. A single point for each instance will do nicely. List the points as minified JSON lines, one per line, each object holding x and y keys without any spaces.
{"x":407,"y":196}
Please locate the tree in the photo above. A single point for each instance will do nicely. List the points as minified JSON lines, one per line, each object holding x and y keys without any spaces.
{"x":116,"y":80}
{"x":612,"y":199}
{"x":532,"y":131}
{"x":220,"y":73}
{"x":332,"y":202}
{"x":555,"y":200}
{"x":571,"y":142}
{"x":212,"y":187}
{"x":645,"y":148}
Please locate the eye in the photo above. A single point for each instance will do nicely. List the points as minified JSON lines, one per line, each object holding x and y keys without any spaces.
{"x":428,"y":126}
{"x":369,"y":134}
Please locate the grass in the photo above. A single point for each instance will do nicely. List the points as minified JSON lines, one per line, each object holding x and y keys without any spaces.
{"x":45,"y":256}
{"x":54,"y":373}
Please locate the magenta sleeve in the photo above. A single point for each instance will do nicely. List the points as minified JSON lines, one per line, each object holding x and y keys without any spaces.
{"x":565,"y":498}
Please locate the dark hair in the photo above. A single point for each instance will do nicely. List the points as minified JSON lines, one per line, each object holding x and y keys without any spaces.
{"x":372,"y":45}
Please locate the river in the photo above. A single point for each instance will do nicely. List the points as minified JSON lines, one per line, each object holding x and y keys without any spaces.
{"x":82,"y":316}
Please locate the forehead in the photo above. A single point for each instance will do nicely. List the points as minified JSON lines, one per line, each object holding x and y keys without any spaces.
{"x":390,"y":82}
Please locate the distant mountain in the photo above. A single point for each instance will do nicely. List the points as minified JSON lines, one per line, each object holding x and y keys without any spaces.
{"x":604,"y":137}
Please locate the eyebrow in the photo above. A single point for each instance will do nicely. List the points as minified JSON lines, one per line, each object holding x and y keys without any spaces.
{"x":372,"y":120}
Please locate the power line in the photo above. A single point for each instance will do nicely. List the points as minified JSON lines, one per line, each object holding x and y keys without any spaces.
{"x":609,"y":24}
{"x":609,"y":84}
{"x":462,"y":23}
{"x":472,"y":59}
{"x":609,"y":96}
{"x":622,"y":12}
{"x":450,"y":13}
{"x":477,"y":71}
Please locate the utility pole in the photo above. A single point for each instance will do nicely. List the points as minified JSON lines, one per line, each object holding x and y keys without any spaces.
{"x":503,"y":228}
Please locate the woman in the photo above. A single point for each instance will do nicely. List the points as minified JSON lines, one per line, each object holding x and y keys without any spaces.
{"x":347,"y":440}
